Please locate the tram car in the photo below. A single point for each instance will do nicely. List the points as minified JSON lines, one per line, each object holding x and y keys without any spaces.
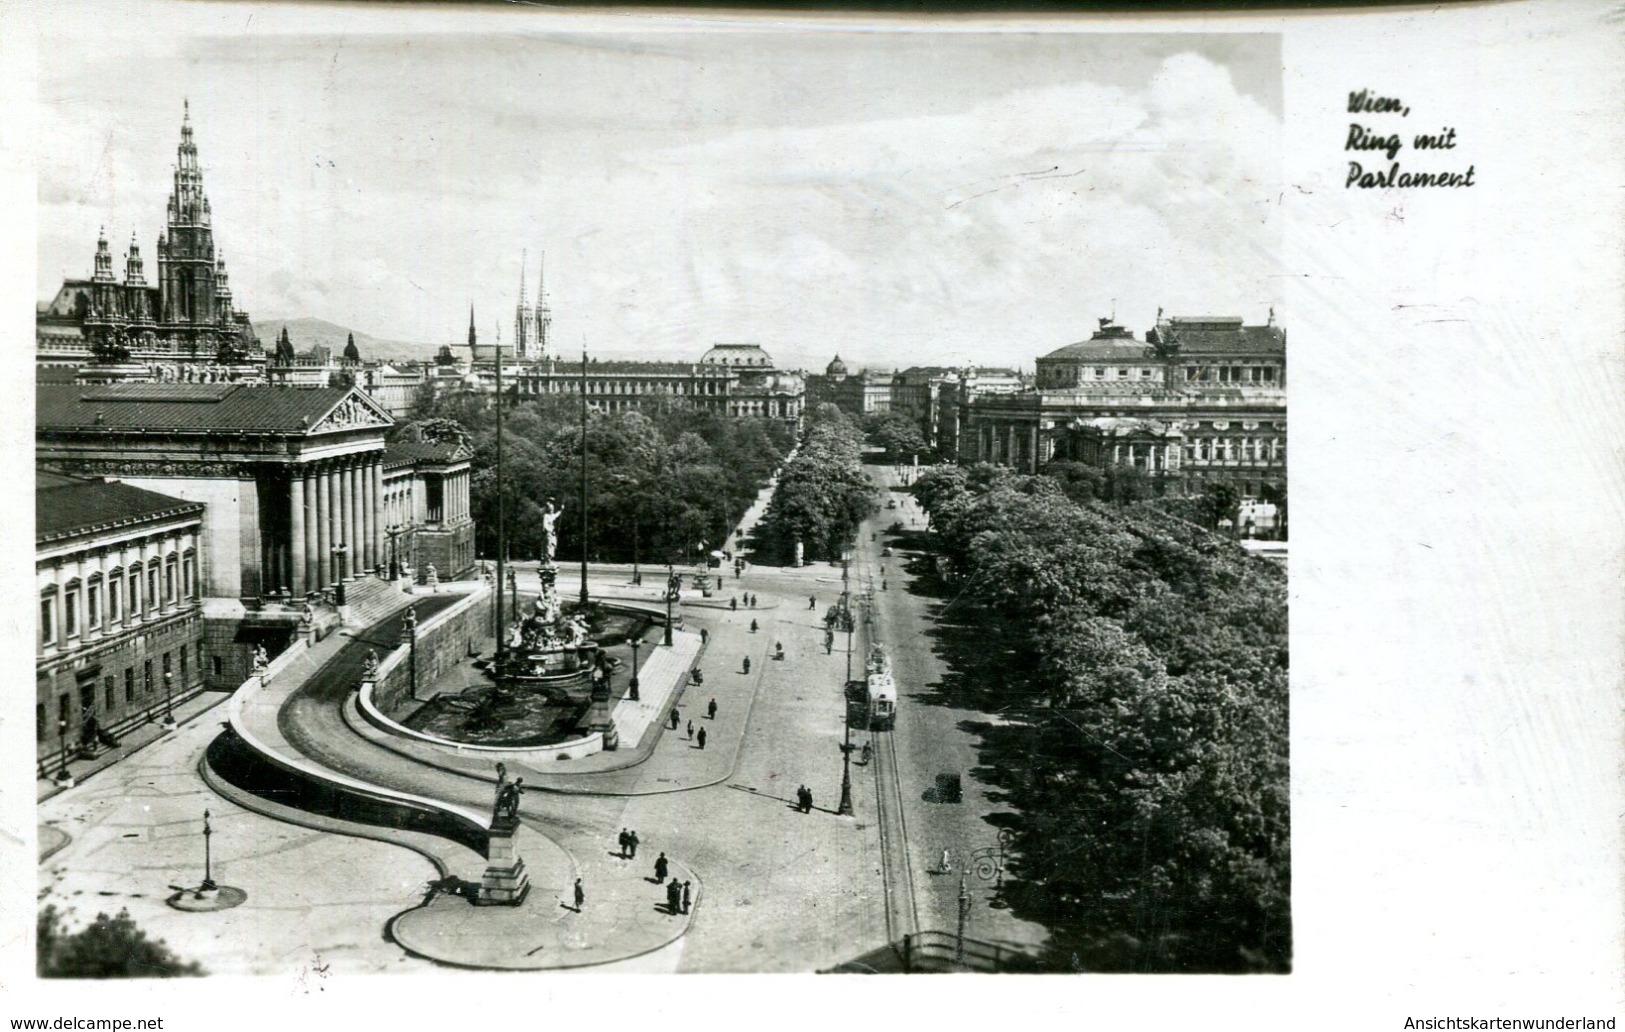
{"x":881,"y":690}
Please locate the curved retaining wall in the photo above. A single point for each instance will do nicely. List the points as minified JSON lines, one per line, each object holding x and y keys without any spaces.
{"x":252,"y":717}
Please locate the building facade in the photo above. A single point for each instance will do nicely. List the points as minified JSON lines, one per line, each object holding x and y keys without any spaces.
{"x":427,"y":508}
{"x":119,"y":573}
{"x":185,"y":323}
{"x":1220,"y":383}
{"x":291,"y":477}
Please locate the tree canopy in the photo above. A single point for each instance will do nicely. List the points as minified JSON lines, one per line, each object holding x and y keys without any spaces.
{"x":109,"y":947}
{"x":823,"y":493}
{"x":1150,"y":777}
{"x":659,"y":484}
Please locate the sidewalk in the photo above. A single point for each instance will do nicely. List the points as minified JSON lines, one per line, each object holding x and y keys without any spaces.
{"x":134,"y":741}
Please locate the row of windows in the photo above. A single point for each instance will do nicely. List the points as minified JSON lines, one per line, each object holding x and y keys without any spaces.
{"x":116,"y":599}
{"x":603,"y":387}
{"x":174,"y":669}
{"x":1230,"y":374}
{"x":1226,"y":449}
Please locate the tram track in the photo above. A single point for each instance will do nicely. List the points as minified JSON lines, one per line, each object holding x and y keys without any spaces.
{"x":897,"y":872}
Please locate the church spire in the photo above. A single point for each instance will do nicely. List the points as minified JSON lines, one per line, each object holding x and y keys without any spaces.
{"x":521,"y":319}
{"x":472,"y":338}
{"x":544,"y":314}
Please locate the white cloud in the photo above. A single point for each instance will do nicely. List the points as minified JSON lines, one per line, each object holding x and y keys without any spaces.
{"x":995,"y":229}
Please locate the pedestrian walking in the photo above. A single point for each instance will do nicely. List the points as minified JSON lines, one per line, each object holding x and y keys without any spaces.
{"x":705,"y":635}
{"x":626,"y":843}
{"x":753,"y":601}
{"x":674,"y":898}
{"x":868,"y":752}
{"x":711,"y":710}
{"x":747,"y":664}
{"x":807,"y":808}
{"x":661,"y":867}
{"x":733,"y":603}
{"x":688,"y":900}
{"x":674,"y":718}
{"x":632,"y":845}
{"x":753,"y":627}
{"x":702,"y":739}
{"x":581,"y":896}
{"x":882,"y":584}
{"x":801,"y":798}
{"x":691,"y":730}
{"x":812,"y":601}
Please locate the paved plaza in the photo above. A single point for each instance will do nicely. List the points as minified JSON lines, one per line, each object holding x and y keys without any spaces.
{"x":772,"y":888}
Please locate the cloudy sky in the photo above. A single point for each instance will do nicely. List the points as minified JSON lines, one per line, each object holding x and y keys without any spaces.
{"x":897,"y":197}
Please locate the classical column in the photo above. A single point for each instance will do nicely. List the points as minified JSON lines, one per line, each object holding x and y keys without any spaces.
{"x":341,"y":514}
{"x":296,"y":532}
{"x":369,"y":517}
{"x":376,"y":481}
{"x":312,"y":553}
{"x":324,"y":527}
{"x":353,"y":535}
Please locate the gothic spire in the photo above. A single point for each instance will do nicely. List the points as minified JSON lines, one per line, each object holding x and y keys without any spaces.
{"x":104,"y":258}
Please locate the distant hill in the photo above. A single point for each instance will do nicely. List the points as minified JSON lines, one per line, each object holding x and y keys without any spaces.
{"x":305,"y":332}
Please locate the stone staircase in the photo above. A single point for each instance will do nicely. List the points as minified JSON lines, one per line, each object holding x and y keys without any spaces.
{"x":369,"y":600}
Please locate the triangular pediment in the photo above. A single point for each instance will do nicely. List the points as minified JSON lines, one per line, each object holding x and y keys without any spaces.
{"x":354,"y":411}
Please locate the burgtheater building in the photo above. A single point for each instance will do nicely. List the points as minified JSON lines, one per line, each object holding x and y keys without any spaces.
{"x":1199,"y":399}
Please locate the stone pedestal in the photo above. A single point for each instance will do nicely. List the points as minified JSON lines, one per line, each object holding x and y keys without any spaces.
{"x":506,"y":881}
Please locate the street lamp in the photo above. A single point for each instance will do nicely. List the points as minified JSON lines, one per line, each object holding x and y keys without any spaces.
{"x":964,"y":911}
{"x":208,"y":874}
{"x":169,"y":684}
{"x":340,"y":570}
{"x":394,"y":531}
{"x":63,"y":776}
{"x":671,"y":596}
{"x":632,"y":685}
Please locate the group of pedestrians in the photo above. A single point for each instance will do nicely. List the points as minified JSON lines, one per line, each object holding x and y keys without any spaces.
{"x":804,"y":800}
{"x":679,"y":894}
{"x":629,"y":844}
{"x":733,"y":601}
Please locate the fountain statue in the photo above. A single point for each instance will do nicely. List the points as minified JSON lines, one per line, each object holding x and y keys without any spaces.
{"x":550,"y":519}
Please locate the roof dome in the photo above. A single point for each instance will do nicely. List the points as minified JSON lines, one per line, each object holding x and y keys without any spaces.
{"x":836,"y":367}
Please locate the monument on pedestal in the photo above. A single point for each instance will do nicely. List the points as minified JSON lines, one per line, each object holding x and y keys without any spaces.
{"x":506,"y":882}
{"x":599,"y":716}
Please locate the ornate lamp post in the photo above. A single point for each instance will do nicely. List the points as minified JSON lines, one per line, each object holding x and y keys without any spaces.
{"x":632,"y":685}
{"x":584,"y":482}
{"x":64,"y":776}
{"x":341,"y":569}
{"x":208,"y":873}
{"x":671,"y":596}
{"x":169,"y":684}
{"x":845,"y":809}
{"x":394,"y":531}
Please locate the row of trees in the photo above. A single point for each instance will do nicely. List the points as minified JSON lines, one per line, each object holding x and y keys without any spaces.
{"x":659,"y":485}
{"x":823,"y":493}
{"x":1151,"y":781}
{"x":899,"y":435}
